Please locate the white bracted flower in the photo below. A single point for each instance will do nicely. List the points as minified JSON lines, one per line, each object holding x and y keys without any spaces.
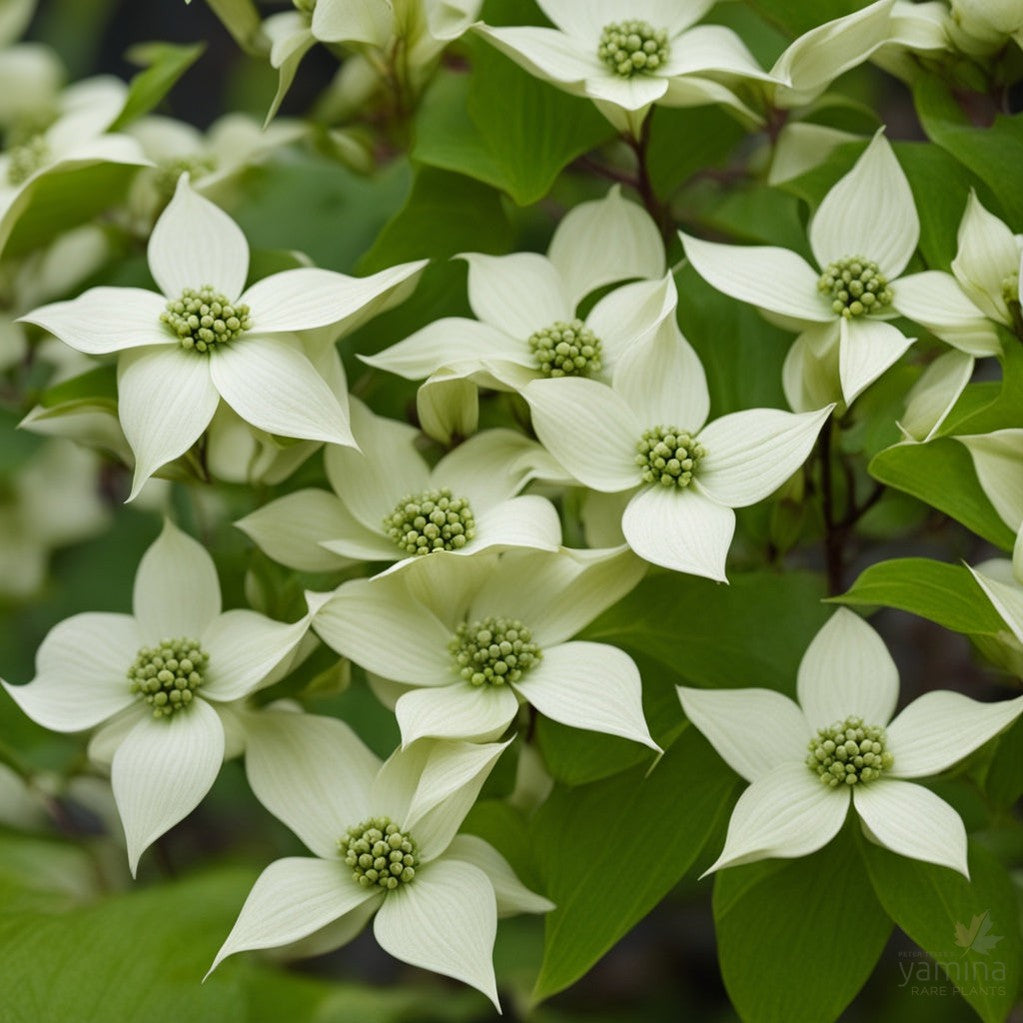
{"x":645,"y":436}
{"x":469,"y":641}
{"x":390,"y":505}
{"x":1002,"y":582}
{"x":526,"y":306}
{"x":627,"y":55}
{"x":385,"y":843}
{"x":983,"y":27}
{"x":998,"y":461}
{"x":862,"y":236}
{"x":806,"y":762}
{"x":205,"y":337}
{"x":160,"y":682}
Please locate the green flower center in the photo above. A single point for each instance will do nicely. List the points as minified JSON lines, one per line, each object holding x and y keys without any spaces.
{"x":167,"y":675}
{"x":493,"y":651}
{"x":1010,"y":289}
{"x":849,"y":753}
{"x":855,"y":285}
{"x":168,"y":172}
{"x":628,"y":47}
{"x":26,"y":159}
{"x":205,"y":318}
{"x":431,"y":521}
{"x":669,"y":456}
{"x":379,"y":853}
{"x":566,"y":349}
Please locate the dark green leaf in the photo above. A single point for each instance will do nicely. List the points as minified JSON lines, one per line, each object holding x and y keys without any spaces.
{"x":163,"y":64}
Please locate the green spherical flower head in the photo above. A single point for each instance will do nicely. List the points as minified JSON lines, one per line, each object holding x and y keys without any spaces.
{"x":668,"y":456}
{"x":166,"y":676}
{"x":566,"y":349}
{"x":168,"y":172}
{"x":849,"y":753}
{"x":205,"y":318}
{"x":493,"y":651}
{"x":26,"y":159}
{"x":856,"y":286}
{"x":379,"y":853}
{"x":431,"y":521}
{"x":629,"y":47}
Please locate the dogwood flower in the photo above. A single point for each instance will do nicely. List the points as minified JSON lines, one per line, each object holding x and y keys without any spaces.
{"x":469,"y":641}
{"x":205,"y":339}
{"x":385,"y":844}
{"x":1002,"y":582}
{"x":998,"y":461}
{"x":391,"y":506}
{"x":628,"y":56}
{"x":645,"y":435}
{"x":982,"y":27}
{"x":160,"y":683}
{"x":863,"y":234}
{"x":806,"y":762}
{"x":526,"y":306}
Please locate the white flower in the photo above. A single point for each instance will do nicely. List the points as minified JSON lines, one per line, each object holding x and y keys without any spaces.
{"x":1002,"y":582}
{"x":627,"y":56}
{"x":804,"y":770}
{"x":934,"y":395}
{"x":998,"y":461}
{"x":469,"y":640}
{"x":391,"y":506}
{"x":438,"y":899}
{"x":526,"y":305}
{"x":917,"y":30}
{"x":645,"y":435}
{"x":864,"y":232}
{"x":163,"y":726}
{"x":982,"y":27}
{"x":174,"y":368}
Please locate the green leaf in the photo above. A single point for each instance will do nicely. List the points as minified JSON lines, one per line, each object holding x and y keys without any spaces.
{"x":610,"y":851}
{"x":941,"y":474}
{"x":751,"y":632}
{"x":798,"y":16}
{"x":946,"y":594}
{"x":242,"y":20}
{"x":797,"y":939}
{"x":443,"y":215}
{"x":164,"y":64}
{"x":939,"y":909}
{"x":503,"y":126}
{"x":92,"y":387}
{"x":1004,"y":779}
{"x":710,"y":136}
{"x":994,"y":153}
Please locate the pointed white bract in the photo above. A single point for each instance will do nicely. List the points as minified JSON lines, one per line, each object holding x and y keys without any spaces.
{"x":389,"y":505}
{"x":645,"y":436}
{"x":998,"y":459}
{"x":526,"y":305}
{"x":862,"y":236}
{"x":205,"y":340}
{"x":1002,"y":582}
{"x":161,"y":720}
{"x":436,"y":895}
{"x":468,"y":641}
{"x":807,"y":762}
{"x":629,"y":56}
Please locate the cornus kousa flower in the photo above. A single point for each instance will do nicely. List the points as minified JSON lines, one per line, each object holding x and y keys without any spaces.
{"x":998,"y":460}
{"x":160,"y":682}
{"x":207,"y":337}
{"x":862,"y":236}
{"x":628,"y":56}
{"x":527,"y":324}
{"x":645,"y":436}
{"x":468,"y":642}
{"x":806,"y":763}
{"x":1002,"y":582}
{"x":389,"y":505}
{"x":385,"y":844}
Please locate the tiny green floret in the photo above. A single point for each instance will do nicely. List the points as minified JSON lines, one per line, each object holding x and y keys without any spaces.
{"x":566,"y":349}
{"x":849,"y":753}
{"x":167,"y":675}
{"x":431,"y":521}
{"x":630,"y":47}
{"x":494,"y":651}
{"x":668,"y":456}
{"x":379,"y":853}
{"x":168,"y":172}
{"x":24,"y":160}
{"x":205,"y":318}
{"x":856,"y":286}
